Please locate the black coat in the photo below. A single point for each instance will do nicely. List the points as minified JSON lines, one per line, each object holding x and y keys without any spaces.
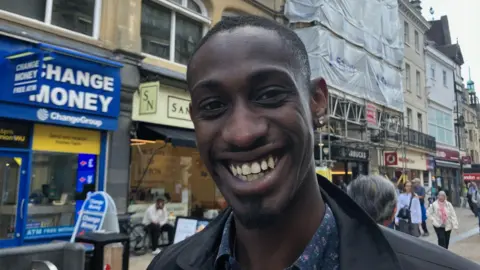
{"x":363,"y":243}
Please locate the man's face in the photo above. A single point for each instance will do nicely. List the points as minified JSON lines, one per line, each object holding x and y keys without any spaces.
{"x":252,"y":113}
{"x":160,"y":204}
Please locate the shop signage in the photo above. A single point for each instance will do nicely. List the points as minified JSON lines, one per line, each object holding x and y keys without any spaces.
{"x":430,"y":160}
{"x":98,"y":213}
{"x":447,"y":154}
{"x":471,"y":176}
{"x":148,"y":97}
{"x":61,"y":88}
{"x":178,"y":108}
{"x":390,"y":158}
{"x":467,"y":160}
{"x":35,"y":231}
{"x":341,"y":152}
{"x":371,"y":114}
{"x":15,"y":135}
{"x":92,"y":214}
{"x":172,"y":107}
{"x":65,"y":139}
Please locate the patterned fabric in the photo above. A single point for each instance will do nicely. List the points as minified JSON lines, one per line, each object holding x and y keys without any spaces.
{"x":321,"y":253}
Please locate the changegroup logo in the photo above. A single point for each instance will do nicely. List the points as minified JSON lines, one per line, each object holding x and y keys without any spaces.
{"x":42,"y":114}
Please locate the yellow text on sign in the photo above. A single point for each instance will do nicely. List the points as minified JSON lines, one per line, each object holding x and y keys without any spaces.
{"x":65,"y":139}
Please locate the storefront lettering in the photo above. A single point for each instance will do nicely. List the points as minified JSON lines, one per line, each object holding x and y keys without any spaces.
{"x":406,"y":160}
{"x":357,"y":154}
{"x":60,"y":96}
{"x":9,"y":135}
{"x":178,"y":108}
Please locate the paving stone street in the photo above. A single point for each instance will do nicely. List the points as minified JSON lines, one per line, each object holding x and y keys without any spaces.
{"x":465,"y":242}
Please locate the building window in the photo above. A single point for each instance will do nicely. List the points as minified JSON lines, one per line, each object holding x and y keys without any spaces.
{"x":470,"y":135}
{"x":440,"y":126}
{"x":418,"y":85}
{"x":432,"y":72}
{"x":81,"y":16}
{"x":444,"y":78}
{"x":172,"y":29}
{"x":420,"y":122}
{"x":417,"y":41}
{"x":409,"y":118}
{"x":174,"y":171}
{"x":406,"y":33}
{"x":407,"y":77}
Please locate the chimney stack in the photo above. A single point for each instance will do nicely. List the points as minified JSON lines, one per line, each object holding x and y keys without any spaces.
{"x":417,"y":4}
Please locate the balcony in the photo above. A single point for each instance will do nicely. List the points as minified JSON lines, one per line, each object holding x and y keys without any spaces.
{"x":415,"y":138}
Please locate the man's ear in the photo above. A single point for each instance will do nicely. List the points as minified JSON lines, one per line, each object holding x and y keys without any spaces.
{"x":319,"y":98}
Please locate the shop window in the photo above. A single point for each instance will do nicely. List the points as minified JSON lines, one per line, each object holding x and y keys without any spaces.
{"x":81,"y":16}
{"x":172,"y":32}
{"x":9,"y":186}
{"x":175,"y":172}
{"x":52,"y":190}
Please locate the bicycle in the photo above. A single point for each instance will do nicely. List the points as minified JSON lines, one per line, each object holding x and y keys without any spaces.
{"x":137,"y":234}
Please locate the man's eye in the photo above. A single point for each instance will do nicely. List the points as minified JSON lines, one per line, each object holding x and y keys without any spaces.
{"x":271,"y":97}
{"x":212,"y":106}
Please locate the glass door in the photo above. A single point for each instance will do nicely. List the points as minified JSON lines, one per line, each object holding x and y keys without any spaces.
{"x":13,"y":201}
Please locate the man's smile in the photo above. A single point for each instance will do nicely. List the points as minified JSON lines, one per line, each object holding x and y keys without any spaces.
{"x":254,"y":177}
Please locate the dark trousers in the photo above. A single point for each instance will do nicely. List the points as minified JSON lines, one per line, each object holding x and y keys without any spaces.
{"x":424,"y":227}
{"x":472,"y":205}
{"x":156,"y":230}
{"x":443,"y":237}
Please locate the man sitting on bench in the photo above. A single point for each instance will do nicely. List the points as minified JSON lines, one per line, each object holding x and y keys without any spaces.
{"x":156,"y":220}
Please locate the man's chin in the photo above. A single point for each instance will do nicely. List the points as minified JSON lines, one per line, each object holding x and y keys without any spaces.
{"x":256,"y":220}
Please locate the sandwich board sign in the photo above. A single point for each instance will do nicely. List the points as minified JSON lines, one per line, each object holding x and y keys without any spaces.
{"x":98,"y":213}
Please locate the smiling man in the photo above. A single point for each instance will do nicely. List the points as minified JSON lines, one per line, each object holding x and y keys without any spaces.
{"x":255,"y":109}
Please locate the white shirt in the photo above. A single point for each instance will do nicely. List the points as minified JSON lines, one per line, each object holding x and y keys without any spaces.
{"x":154,"y":215}
{"x":415,"y":210}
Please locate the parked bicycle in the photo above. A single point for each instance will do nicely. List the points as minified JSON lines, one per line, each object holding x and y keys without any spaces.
{"x":137,"y":234}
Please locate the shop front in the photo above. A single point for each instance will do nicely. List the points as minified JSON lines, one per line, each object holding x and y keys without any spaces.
{"x":412,"y":164}
{"x":57,"y":107}
{"x":349,"y":162}
{"x":164,"y":157}
{"x":447,"y":172}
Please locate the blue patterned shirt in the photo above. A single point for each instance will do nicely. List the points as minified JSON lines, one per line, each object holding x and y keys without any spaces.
{"x":321,"y":253}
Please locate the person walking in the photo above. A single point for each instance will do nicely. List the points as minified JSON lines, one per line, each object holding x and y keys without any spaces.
{"x":420,"y":193}
{"x":409,"y":213}
{"x":472,"y":190}
{"x":444,"y":219}
{"x":476,"y":202}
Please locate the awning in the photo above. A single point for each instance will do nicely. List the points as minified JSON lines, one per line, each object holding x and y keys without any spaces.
{"x":176,"y":136}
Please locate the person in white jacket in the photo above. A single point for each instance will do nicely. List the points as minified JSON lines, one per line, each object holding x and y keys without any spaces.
{"x":444,"y":218}
{"x":408,"y":200}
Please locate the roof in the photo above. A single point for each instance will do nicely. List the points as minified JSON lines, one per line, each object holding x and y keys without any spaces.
{"x":440,"y":34}
{"x":452,"y":51}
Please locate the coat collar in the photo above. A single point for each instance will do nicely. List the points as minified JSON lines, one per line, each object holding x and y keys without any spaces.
{"x":362,"y":243}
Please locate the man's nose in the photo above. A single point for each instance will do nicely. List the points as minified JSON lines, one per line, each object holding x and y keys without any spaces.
{"x":244,"y":128}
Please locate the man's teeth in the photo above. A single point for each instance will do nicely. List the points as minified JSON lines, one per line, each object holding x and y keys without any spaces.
{"x":253,"y":170}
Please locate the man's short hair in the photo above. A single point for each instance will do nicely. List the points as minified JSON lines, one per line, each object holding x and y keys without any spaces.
{"x":376,"y":195}
{"x":288,"y":37}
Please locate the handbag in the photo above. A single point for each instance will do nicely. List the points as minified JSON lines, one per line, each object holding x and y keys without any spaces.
{"x":404,"y":213}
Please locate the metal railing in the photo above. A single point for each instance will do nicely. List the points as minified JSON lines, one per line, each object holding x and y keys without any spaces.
{"x":414,"y":138}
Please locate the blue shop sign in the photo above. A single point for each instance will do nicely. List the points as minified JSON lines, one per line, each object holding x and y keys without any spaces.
{"x":50,"y":84}
{"x":92,"y":214}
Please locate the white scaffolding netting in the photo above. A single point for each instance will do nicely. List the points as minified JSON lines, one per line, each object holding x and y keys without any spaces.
{"x":356,"y":45}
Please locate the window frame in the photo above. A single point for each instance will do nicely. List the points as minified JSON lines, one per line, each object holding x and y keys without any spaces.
{"x":447,"y":126}
{"x":182,"y":9}
{"x":417,"y":41}
{"x":418,"y":83}
{"x":444,"y":77}
{"x":406,"y":32}
{"x":409,"y":118}
{"x":408,"y":79}
{"x":420,"y":122}
{"x":96,"y":24}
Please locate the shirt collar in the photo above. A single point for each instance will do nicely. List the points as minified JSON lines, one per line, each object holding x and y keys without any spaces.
{"x":323,"y":245}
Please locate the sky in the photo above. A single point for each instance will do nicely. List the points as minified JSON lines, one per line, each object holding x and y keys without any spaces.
{"x":464,"y":21}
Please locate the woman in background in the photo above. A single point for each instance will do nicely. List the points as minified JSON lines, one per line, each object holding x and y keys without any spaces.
{"x":409,"y":213}
{"x":444,"y":219}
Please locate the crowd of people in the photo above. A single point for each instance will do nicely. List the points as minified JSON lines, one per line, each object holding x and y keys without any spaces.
{"x":402,"y":206}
